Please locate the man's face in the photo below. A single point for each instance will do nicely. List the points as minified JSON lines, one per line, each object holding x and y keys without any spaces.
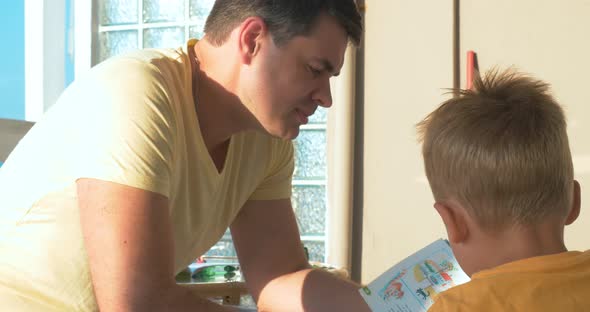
{"x":286,"y":84}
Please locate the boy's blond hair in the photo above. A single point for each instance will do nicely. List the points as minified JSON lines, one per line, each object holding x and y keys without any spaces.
{"x":501,"y":150}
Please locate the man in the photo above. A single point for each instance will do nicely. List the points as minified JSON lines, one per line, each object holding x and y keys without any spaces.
{"x":142,"y":164}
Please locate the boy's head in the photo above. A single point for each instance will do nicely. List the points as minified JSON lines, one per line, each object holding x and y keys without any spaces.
{"x":500,"y":153}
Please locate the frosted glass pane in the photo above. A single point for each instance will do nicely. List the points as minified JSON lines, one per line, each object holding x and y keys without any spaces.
{"x":225,"y":248}
{"x":309,"y":204}
{"x":196,"y":32}
{"x":116,"y":12}
{"x":116,"y":42}
{"x":310,"y":155}
{"x":317,"y":250}
{"x":199,"y":9}
{"x":320,"y":116}
{"x":163,"y":11}
{"x":166,"y":37}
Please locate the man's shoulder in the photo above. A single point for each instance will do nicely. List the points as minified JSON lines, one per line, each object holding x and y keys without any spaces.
{"x":145,"y":62}
{"x":141,"y":61}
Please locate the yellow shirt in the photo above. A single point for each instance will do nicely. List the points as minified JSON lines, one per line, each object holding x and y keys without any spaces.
{"x":559,"y":282}
{"x":132,"y":121}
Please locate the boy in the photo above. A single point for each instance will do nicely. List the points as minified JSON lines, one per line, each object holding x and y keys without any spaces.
{"x":499,"y":165}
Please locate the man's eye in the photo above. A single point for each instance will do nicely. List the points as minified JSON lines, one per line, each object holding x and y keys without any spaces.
{"x":316,"y":72}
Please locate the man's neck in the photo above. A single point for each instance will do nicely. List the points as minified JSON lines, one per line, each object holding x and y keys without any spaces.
{"x":220,"y":111}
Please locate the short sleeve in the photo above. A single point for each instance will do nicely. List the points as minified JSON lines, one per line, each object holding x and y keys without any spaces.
{"x":126,"y":126}
{"x":278,"y":181}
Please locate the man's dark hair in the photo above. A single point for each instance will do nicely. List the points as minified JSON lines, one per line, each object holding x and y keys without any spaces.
{"x":285,"y":19}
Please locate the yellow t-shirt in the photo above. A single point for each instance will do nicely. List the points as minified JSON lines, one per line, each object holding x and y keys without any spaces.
{"x":132,"y":121}
{"x":559,"y":282}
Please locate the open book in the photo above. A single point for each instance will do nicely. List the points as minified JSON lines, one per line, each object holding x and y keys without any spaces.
{"x":413,"y":284}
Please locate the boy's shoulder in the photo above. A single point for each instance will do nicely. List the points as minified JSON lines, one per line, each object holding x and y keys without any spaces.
{"x":528,"y":284}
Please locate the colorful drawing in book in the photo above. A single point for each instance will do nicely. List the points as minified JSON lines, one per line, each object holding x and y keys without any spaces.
{"x":422,"y":293}
{"x":393,"y":289}
{"x":433,"y":278}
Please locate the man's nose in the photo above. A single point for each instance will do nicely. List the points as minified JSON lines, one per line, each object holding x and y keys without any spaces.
{"x":323,"y":95}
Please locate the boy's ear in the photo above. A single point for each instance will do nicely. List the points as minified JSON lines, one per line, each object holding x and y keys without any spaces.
{"x":250,"y":33}
{"x":576,"y":202}
{"x":454,"y":218}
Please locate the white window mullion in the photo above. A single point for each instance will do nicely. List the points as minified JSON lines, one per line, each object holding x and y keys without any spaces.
{"x":313,"y":238}
{"x":140,"y":24}
{"x":314,"y":127}
{"x":187,"y":18}
{"x":85,"y":20}
{"x":145,"y":25}
{"x":44,"y":55}
{"x":308,"y":182}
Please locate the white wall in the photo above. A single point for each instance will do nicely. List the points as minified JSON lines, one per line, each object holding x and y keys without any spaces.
{"x":408,"y":63}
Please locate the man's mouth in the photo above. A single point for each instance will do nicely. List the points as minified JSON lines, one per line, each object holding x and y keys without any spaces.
{"x":302,"y":116}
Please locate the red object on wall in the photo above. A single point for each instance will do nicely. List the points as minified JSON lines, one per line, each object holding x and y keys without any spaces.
{"x":470,"y":66}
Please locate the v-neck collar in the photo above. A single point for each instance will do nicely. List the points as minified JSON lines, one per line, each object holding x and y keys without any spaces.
{"x":207,"y":160}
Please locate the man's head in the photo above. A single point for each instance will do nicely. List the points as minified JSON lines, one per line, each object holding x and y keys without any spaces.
{"x":288,"y":51}
{"x":501,"y":153}
{"x":284,"y":19}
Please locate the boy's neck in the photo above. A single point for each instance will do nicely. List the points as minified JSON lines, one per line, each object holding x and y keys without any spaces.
{"x":517,"y":243}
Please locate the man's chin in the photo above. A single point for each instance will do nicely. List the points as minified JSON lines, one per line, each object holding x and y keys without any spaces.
{"x":285,"y":134}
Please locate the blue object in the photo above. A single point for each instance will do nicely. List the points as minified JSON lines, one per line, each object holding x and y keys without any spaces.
{"x":12,"y":59}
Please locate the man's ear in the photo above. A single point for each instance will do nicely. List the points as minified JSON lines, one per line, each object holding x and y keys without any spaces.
{"x":454,"y":218}
{"x":251,"y":32}
{"x":576,"y":202}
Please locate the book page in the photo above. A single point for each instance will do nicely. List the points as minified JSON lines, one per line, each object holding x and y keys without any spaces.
{"x":413,"y":284}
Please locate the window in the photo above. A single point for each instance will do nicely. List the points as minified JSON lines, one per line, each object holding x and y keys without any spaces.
{"x":92,"y":31}
{"x":126,"y":25}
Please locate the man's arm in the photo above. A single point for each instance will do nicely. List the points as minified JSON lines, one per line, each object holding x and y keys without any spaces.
{"x":128,"y":237}
{"x":273,"y":262}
